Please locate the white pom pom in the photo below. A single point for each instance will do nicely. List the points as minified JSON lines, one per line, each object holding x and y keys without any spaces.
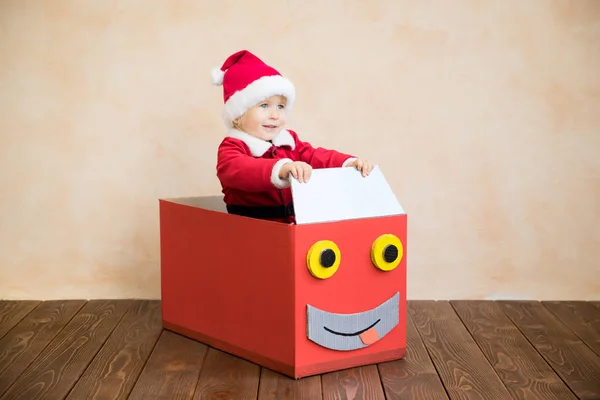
{"x":217,"y":76}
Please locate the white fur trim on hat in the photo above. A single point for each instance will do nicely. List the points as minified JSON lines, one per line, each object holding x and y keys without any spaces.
{"x":255,"y":92}
{"x":217,"y":76}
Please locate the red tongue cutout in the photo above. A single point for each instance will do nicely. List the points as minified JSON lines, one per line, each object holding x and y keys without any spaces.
{"x":369,"y":337}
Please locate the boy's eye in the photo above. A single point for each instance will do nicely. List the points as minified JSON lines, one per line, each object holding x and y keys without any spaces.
{"x":281,"y":106}
{"x":263,"y":105}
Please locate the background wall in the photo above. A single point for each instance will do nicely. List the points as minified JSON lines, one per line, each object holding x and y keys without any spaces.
{"x":484,"y":116}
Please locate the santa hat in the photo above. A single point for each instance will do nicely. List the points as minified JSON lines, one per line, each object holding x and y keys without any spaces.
{"x":246,"y":81}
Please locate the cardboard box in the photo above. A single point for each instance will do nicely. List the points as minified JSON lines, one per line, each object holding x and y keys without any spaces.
{"x":324,"y":294}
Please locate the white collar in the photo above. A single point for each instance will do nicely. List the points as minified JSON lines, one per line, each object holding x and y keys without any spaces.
{"x":259,"y":147}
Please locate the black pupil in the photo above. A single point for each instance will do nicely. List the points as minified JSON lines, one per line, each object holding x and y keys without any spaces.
{"x":390,"y":253}
{"x":327,"y":258}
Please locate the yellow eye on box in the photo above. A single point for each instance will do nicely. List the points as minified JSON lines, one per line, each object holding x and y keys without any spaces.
{"x":323,"y":259}
{"x":387,"y":252}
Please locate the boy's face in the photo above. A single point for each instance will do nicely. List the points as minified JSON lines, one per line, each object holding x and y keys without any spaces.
{"x":266,"y":119}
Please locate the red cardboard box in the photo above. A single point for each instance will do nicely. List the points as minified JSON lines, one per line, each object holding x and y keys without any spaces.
{"x":324,"y":294}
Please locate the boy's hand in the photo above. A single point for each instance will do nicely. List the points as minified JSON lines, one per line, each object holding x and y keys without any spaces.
{"x":362,"y":165}
{"x":299,"y":170}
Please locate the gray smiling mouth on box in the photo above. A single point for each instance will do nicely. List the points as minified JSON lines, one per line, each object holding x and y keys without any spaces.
{"x":341,"y":331}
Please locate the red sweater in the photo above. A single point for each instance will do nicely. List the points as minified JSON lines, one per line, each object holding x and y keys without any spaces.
{"x":248,"y":168}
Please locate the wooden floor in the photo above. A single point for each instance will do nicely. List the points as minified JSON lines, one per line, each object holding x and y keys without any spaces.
{"x":456,"y":350}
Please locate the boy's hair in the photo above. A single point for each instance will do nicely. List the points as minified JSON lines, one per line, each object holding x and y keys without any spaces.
{"x":246,"y":81}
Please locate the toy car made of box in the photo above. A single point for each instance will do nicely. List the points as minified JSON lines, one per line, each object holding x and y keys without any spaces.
{"x":323,"y":294}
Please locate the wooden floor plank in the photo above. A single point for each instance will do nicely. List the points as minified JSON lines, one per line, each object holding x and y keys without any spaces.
{"x":524,"y":372}
{"x":225,"y":376}
{"x":24,"y":343}
{"x":361,"y":383}
{"x":116,"y":367}
{"x":581,"y":317}
{"x":572,"y":359}
{"x":463,"y":368}
{"x":172,"y":370}
{"x":62,"y":362}
{"x":595,"y":304}
{"x":12,"y":312}
{"x":413,"y":377}
{"x":274,"y":386}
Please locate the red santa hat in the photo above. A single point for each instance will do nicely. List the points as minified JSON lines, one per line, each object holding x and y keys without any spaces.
{"x":246,"y":81}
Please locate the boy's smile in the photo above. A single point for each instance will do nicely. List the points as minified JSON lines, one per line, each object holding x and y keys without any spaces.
{"x":272,"y":129}
{"x":264,"y":120}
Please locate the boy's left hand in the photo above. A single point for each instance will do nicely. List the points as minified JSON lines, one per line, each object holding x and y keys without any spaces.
{"x":362,"y":165}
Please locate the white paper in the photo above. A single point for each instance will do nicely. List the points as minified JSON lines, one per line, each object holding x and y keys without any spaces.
{"x":335,"y":194}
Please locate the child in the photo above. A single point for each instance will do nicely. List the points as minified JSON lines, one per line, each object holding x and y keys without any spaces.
{"x":256,"y":158}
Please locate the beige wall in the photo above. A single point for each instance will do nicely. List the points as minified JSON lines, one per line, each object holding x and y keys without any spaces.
{"x":484,"y":116}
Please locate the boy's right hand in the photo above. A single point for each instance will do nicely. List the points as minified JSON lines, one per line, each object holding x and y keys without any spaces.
{"x":299,"y":170}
